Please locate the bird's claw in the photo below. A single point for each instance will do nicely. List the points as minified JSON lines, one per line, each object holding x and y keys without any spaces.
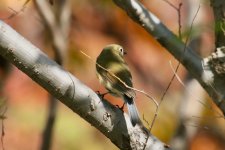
{"x":121,"y":108}
{"x":101,"y":94}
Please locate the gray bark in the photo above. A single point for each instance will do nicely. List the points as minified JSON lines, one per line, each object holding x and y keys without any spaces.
{"x":108,"y":119}
{"x":199,"y":68}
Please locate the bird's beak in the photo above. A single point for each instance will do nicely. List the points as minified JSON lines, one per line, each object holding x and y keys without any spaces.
{"x":124,"y":52}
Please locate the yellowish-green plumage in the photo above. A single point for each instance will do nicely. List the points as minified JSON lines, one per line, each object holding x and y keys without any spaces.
{"x":111,"y":59}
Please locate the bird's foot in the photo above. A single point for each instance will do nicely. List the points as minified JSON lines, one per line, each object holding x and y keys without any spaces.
{"x":101,"y":94}
{"x":121,"y":108}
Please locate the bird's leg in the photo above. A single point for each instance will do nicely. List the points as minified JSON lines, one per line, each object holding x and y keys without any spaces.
{"x":101,"y":94}
{"x":121,"y":108}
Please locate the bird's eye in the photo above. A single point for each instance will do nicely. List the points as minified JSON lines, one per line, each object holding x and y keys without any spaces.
{"x":121,"y":50}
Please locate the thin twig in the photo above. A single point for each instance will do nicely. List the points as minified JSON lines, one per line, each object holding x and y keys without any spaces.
{"x":15,"y":13}
{"x":134,"y":89}
{"x":176,"y":70}
{"x":175,"y":73}
{"x":131,"y":88}
{"x":213,"y":110}
{"x":146,"y":121}
{"x":178,"y":9}
{"x":172,"y":5}
{"x":171,"y":81}
{"x":3,"y":127}
{"x":179,"y":20}
{"x":205,"y":105}
{"x":178,"y":65}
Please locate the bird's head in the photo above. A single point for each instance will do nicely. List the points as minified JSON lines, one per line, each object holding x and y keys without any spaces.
{"x":114,"y":49}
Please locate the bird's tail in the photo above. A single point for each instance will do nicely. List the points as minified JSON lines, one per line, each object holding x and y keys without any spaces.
{"x":132,"y":110}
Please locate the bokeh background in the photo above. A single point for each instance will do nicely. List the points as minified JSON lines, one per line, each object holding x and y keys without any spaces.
{"x":94,"y":24}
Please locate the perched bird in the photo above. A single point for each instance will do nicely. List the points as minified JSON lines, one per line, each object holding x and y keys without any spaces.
{"x":114,"y":74}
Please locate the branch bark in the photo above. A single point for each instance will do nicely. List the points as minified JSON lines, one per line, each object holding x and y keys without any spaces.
{"x":198,"y":67}
{"x":107,"y":118}
{"x":57,"y":23}
{"x":219,"y":15}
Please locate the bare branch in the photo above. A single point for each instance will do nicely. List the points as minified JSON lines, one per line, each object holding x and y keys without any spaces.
{"x":107,"y":118}
{"x":15,"y":13}
{"x":58,"y":23}
{"x":172,"y":43}
{"x":219,"y":115}
{"x":178,"y":9}
{"x":3,"y":109}
{"x":219,"y":15}
{"x":180,"y":60}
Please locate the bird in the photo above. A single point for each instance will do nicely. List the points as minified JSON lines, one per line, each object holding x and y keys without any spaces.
{"x":114,"y":73}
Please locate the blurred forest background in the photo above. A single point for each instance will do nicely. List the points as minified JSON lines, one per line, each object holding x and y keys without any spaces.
{"x":94,"y":24}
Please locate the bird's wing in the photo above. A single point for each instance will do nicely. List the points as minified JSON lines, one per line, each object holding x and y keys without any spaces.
{"x":119,"y":80}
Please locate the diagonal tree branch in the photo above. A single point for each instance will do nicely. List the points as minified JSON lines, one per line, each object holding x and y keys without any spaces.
{"x":107,"y":118}
{"x":197,"y":66}
{"x":57,"y":22}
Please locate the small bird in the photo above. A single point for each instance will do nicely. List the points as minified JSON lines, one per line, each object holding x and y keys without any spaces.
{"x":114,"y":74}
